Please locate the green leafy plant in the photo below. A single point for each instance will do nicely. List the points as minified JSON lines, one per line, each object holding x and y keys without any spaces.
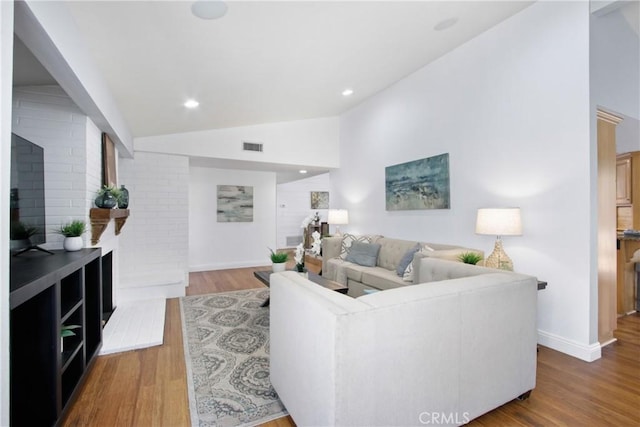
{"x":75,"y":228}
{"x":108,"y":189}
{"x":117,"y":193}
{"x":21,"y":231}
{"x":67,"y":330}
{"x":470,"y":257}
{"x":278,"y":257}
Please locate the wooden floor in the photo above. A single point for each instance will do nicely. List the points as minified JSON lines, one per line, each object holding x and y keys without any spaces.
{"x":148,"y":387}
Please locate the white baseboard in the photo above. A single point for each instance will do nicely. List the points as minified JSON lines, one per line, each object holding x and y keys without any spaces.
{"x":588,"y":353}
{"x":229,"y":265}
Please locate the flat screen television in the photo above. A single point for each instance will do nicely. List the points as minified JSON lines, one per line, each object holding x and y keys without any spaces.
{"x":27,"y":187}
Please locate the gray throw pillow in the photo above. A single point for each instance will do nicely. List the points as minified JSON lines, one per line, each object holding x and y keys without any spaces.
{"x":365,"y":254}
{"x":406,"y":259}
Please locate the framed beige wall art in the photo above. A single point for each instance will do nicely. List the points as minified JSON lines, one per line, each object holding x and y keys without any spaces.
{"x":319,"y":200}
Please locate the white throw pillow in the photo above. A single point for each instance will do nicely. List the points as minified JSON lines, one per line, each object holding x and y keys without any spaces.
{"x":427,"y":249}
{"x":448,"y":254}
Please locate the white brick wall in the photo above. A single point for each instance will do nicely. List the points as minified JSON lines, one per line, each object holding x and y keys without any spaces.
{"x":154,"y":244}
{"x":46,"y":116}
{"x":93,"y":163}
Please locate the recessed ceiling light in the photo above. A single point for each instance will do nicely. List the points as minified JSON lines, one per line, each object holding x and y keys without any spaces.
{"x":303,"y":171}
{"x":209,"y":9}
{"x":347,"y":92}
{"x":446,"y":23}
{"x":191,"y":103}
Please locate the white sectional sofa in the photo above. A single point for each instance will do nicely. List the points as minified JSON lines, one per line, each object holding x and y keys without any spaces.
{"x":383,"y":275}
{"x":454,"y":347}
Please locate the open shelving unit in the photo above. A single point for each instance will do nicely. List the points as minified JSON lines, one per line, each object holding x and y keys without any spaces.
{"x":47,"y":292}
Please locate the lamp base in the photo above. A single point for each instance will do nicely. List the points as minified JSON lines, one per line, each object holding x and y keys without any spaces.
{"x":499,"y":258}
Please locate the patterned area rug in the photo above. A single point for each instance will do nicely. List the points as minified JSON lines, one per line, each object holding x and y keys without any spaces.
{"x":226,"y":346}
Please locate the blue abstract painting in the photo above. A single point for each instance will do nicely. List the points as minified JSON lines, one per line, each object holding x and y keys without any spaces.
{"x":420,"y":184}
{"x":235,"y":203}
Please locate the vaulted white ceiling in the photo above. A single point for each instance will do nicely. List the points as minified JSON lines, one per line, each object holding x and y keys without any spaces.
{"x":265,"y":61}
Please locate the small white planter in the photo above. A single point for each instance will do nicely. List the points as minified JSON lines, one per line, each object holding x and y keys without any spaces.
{"x":278,"y":266}
{"x":72,"y":244}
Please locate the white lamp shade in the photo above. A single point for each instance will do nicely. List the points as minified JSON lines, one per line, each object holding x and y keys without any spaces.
{"x":499,"y":221}
{"x":338,"y":216}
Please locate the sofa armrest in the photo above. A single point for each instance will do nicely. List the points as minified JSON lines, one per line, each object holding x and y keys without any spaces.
{"x":306,"y":323}
{"x":331,"y":247}
{"x":451,"y":253}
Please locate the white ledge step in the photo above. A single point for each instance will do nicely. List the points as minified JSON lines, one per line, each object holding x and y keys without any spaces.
{"x":134,"y":325}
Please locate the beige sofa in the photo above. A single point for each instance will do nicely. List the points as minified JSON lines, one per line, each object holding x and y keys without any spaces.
{"x":454,"y":348}
{"x":361,"y":279}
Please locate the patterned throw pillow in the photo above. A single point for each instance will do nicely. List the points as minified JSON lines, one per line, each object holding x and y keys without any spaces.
{"x":348,"y":239}
{"x":407,"y":259}
{"x":408,"y":273}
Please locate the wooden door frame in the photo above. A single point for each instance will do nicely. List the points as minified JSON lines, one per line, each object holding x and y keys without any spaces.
{"x":607,"y":252}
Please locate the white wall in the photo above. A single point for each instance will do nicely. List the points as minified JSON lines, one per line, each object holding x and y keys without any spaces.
{"x":312,"y":142}
{"x":511,"y":108}
{"x":6,"y":83}
{"x":217,"y":245}
{"x":154,"y":242}
{"x":628,"y":135}
{"x":294,"y":205}
{"x":615,"y":61}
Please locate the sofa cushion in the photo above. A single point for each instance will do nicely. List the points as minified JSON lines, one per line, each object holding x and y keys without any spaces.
{"x":392,"y":251}
{"x":381,"y":278}
{"x":354,"y":271}
{"x":363,"y":253}
{"x":406,"y":260}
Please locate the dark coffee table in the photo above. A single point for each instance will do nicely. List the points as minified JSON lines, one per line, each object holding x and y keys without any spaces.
{"x":264,"y":275}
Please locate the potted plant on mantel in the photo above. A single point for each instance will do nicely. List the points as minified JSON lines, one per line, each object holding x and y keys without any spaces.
{"x":110,"y":197}
{"x":278,"y":260}
{"x":72,"y":232}
{"x":107,"y":197}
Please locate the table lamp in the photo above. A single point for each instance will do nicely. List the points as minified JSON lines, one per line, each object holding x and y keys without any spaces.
{"x":499,"y":222}
{"x":338,"y":217}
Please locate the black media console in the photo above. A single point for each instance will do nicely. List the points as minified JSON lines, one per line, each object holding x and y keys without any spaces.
{"x":47,"y":293}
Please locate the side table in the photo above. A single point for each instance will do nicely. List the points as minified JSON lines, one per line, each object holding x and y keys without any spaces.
{"x":314,"y":261}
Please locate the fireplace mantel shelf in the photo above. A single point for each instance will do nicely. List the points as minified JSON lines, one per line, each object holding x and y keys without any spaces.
{"x":100,"y":219}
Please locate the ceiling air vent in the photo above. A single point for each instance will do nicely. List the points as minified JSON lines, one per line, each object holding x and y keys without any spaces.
{"x":252,"y":146}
